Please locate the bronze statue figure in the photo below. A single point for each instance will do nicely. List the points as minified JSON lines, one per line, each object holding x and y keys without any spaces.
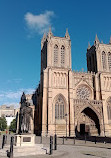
{"x":25,"y":116}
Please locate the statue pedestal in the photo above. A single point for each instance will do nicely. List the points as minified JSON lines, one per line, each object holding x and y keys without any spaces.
{"x":25,"y":140}
{"x":25,"y":146}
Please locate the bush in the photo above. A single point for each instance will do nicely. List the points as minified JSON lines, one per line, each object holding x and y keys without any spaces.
{"x":13,"y":126}
{"x":3,"y":123}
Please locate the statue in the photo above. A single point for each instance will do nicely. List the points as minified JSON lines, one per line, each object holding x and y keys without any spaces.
{"x":23,"y":98}
{"x":25,"y":126}
{"x":25,"y":116}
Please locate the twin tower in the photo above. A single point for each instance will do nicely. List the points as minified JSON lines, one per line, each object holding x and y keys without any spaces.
{"x":76,"y":102}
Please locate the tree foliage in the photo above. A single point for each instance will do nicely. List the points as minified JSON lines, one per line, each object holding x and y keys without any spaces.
{"x":3,"y":123}
{"x":13,"y":125}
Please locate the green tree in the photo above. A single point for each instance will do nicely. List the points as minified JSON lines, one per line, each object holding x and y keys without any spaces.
{"x":13,"y":125}
{"x":3,"y":123}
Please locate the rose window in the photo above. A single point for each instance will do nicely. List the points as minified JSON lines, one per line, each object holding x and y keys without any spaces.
{"x":83,"y":92}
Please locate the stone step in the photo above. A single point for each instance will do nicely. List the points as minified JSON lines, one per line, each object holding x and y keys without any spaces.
{"x":37,"y":149}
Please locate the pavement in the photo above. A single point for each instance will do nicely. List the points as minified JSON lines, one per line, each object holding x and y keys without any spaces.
{"x":70,"y":150}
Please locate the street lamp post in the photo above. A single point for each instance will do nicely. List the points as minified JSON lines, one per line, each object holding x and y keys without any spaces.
{"x":55,"y":125}
{"x":66,"y":125}
{"x":85,"y":127}
{"x":55,"y":146}
{"x":74,"y":124}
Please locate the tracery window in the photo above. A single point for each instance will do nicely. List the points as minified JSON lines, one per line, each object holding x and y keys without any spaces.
{"x":109,"y":60}
{"x":59,"y":108}
{"x":104,"y":60}
{"x":109,"y":108}
{"x":62,"y":55}
{"x":83,"y":92}
{"x":55,"y":54}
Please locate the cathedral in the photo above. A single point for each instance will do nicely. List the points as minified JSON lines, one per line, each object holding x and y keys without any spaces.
{"x":69,"y":102}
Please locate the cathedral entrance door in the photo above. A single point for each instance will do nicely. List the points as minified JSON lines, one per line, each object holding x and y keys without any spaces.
{"x":82,"y":129}
{"x":88,"y":123}
{"x":91,"y":121}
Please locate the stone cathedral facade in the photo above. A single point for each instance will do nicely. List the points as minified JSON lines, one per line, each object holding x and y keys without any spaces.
{"x":68,"y":102}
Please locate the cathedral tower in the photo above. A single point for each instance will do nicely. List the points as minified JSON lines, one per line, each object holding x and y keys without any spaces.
{"x":55,"y":72}
{"x":55,"y":51}
{"x":99,"y":57}
{"x":73,"y":101}
{"x":99,"y":61}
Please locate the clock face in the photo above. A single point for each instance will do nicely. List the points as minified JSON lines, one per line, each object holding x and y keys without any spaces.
{"x":83,"y":92}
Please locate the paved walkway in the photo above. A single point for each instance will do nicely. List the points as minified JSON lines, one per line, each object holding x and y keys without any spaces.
{"x":69,"y":150}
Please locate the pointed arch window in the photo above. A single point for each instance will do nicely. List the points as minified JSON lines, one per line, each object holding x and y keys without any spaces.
{"x":104,"y":60}
{"x":59,"y":108}
{"x":55,"y":54}
{"x":109,"y":108}
{"x":109,"y":61}
{"x":62,"y":55}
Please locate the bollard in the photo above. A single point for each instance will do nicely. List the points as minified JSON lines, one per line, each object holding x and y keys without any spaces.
{"x":74,"y":139}
{"x":11,"y":147}
{"x":41,"y":139}
{"x":51,"y":145}
{"x":85,"y":138}
{"x":105,"y":140}
{"x":8,"y":153}
{"x":63,"y":140}
{"x":55,"y":147}
{"x":3,"y":141}
{"x":95,"y":139}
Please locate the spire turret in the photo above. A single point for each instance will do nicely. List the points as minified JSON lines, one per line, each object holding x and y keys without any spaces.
{"x":44,"y":37}
{"x":89,"y":46}
{"x":67,"y":34}
{"x":43,"y":40}
{"x":50,"y":34}
{"x":96,"y":40}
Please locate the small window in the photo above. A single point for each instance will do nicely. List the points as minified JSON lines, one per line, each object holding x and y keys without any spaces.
{"x":109,"y":61}
{"x":59,"y":108}
{"x":62,"y":55}
{"x":55,"y":55}
{"x":104,"y":60}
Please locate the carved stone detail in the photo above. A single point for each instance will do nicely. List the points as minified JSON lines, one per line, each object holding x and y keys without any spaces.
{"x":83,"y":92}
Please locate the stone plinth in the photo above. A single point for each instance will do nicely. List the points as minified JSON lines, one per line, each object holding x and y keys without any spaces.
{"x":25,"y":140}
{"x":37,"y":149}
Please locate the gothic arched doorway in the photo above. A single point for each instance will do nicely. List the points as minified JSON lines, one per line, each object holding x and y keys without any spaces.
{"x":88,"y":122}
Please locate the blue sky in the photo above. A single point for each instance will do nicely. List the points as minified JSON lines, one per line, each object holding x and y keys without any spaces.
{"x":22,"y":24}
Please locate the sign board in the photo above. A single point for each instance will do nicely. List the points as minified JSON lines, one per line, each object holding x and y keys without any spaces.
{"x":26,"y":139}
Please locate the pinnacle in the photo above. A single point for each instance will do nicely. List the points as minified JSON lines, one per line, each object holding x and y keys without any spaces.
{"x":44,"y":36}
{"x":96,"y":38}
{"x":89,"y":46}
{"x":50,"y":32}
{"x":67,"y":34}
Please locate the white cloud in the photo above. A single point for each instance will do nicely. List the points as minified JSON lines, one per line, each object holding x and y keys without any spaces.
{"x":39,"y":23}
{"x":1,"y":95}
{"x":15,"y":104}
{"x":13,"y":97}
